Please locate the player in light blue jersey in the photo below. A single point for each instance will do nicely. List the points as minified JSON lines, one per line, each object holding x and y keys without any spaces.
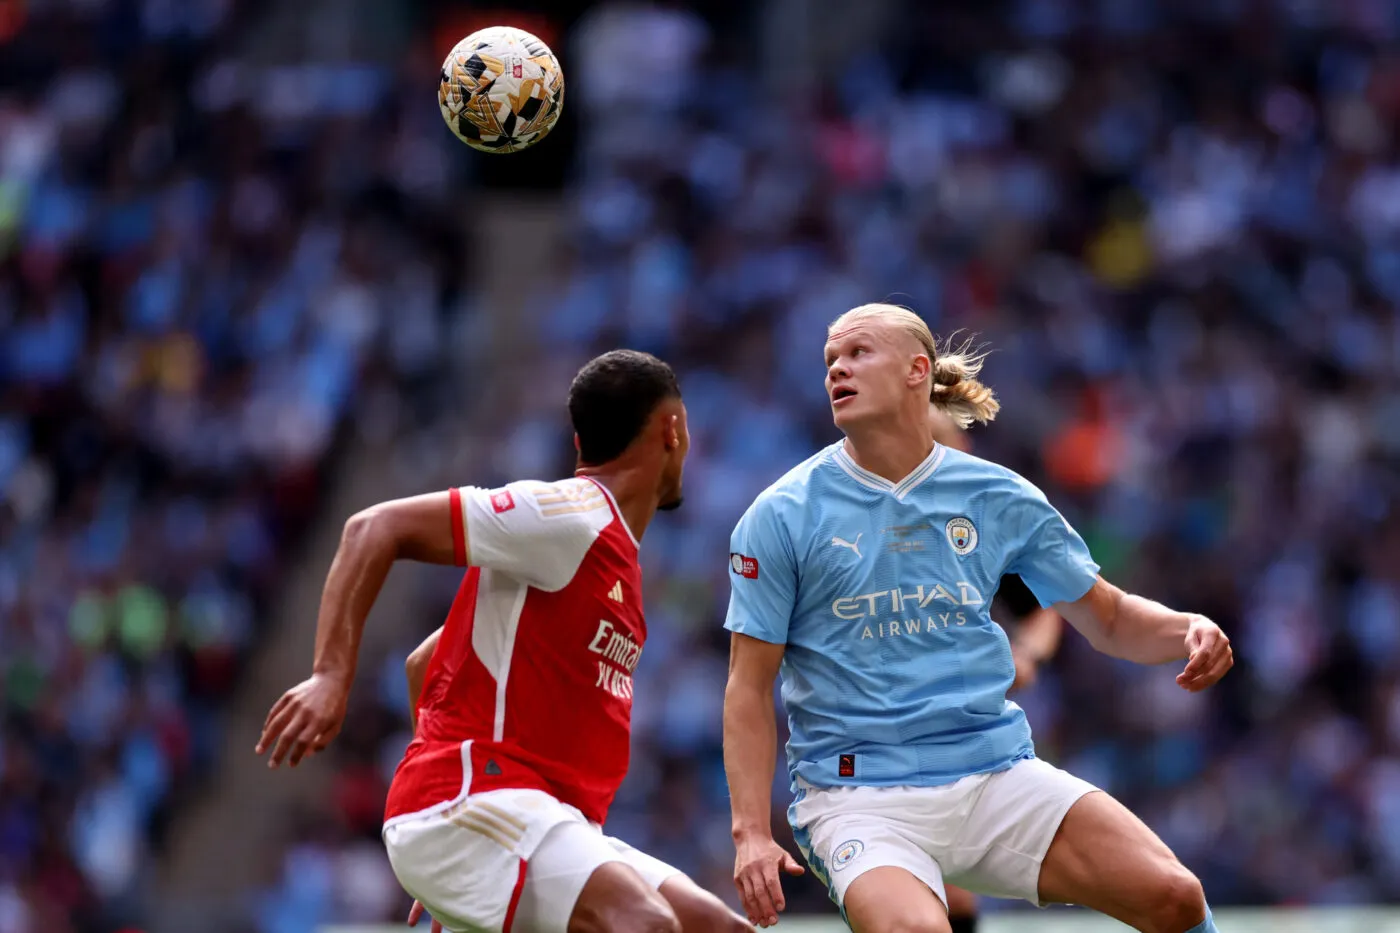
{"x":1035,"y":637}
{"x":864,"y":576}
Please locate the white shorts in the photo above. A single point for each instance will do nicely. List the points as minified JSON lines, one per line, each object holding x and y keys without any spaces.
{"x":505,"y":858}
{"x":987,"y":832}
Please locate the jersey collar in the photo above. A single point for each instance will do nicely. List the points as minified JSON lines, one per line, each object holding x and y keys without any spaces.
{"x":616,"y":511}
{"x":900,"y":489}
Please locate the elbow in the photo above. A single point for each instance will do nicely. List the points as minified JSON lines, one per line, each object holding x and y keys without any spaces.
{"x":360,"y":527}
{"x":370,"y":529}
{"x":744,"y":699}
{"x":1101,"y":640}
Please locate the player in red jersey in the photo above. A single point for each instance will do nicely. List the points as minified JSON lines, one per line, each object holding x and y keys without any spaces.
{"x":493,"y":818}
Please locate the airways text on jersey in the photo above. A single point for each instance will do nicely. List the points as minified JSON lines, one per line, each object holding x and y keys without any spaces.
{"x":920,"y":610}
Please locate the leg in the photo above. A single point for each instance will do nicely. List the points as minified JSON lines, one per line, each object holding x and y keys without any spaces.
{"x":962,"y":910}
{"x":891,"y":900}
{"x":1106,"y":859}
{"x":616,"y":900}
{"x":882,"y":880}
{"x":576,"y":882}
{"x":700,"y":911}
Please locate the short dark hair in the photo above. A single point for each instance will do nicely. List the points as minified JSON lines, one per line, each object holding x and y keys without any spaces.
{"x":611,"y":399}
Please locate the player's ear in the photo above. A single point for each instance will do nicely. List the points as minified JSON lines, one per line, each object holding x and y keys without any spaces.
{"x":578,"y":448}
{"x":920,"y":369}
{"x":671,"y":432}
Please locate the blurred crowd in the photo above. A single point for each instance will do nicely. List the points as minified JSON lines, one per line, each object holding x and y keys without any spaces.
{"x":193,"y":279}
{"x":1176,"y":223}
{"x":1178,"y":226}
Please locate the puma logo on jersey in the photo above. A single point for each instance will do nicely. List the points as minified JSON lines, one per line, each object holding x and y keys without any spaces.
{"x":615,"y":594}
{"x":853,"y":545}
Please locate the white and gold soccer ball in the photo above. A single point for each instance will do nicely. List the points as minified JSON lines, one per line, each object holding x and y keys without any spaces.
{"x":501,"y":89}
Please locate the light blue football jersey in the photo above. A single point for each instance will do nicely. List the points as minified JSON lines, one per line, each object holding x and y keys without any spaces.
{"x":894,"y":671}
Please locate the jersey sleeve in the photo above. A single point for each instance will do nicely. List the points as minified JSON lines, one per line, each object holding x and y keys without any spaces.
{"x":1050,"y":556}
{"x":762,"y":575}
{"x":537,"y":533}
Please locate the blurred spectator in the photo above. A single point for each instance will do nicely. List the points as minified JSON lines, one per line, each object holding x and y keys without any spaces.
{"x":196,"y":260}
{"x":1176,"y":223}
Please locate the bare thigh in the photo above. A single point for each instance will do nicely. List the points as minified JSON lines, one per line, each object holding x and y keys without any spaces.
{"x":1105,"y":858}
{"x":890,"y":899}
{"x":616,"y":900}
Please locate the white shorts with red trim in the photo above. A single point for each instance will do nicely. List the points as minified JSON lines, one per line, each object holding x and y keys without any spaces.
{"x":505,"y":859}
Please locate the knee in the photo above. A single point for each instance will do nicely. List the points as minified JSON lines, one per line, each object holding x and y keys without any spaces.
{"x":711,"y":916}
{"x":1180,"y":903}
{"x":652,"y":917}
{"x":720,"y":919}
{"x":913,"y":924}
{"x":644,"y":915}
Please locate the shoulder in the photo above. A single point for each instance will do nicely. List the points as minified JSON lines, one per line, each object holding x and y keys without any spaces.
{"x":1001,"y":482}
{"x":560,"y":494}
{"x":562,"y":503}
{"x":789,"y":495}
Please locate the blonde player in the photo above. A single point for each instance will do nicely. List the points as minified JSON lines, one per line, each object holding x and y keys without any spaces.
{"x":864,"y":576}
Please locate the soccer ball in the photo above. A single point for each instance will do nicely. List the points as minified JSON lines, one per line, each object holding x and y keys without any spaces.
{"x":501,"y":90}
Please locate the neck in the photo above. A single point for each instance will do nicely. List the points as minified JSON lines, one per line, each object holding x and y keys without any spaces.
{"x":890,"y":451}
{"x":633,"y":488}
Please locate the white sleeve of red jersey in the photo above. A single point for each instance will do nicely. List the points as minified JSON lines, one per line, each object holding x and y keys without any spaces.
{"x":535,"y":532}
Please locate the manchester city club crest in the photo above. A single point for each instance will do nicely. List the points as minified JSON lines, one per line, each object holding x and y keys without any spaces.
{"x":846,"y":853}
{"x":962,"y":535}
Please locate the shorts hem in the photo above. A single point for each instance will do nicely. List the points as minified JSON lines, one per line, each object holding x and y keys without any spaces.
{"x":938,"y":888}
{"x":1068,"y":802}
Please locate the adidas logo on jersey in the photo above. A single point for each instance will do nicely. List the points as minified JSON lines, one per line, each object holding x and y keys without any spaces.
{"x":615,"y":594}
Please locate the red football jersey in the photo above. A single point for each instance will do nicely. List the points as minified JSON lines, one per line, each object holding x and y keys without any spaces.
{"x":531,"y":682}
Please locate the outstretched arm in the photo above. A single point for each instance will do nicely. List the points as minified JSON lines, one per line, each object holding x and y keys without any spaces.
{"x":416,"y":667}
{"x":421,"y":528}
{"x":750,"y":743}
{"x":1137,"y":629}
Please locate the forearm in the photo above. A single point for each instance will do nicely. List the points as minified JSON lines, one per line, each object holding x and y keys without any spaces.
{"x":750,"y":742}
{"x":1145,"y":632}
{"x":361,"y":565}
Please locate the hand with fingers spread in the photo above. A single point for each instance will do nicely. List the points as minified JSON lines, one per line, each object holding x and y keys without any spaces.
{"x":416,"y":913}
{"x":1209,"y":655}
{"x":758,"y":862}
{"x":304,"y":720}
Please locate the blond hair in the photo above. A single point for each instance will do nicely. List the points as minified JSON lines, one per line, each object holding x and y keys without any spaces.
{"x":953,"y":384}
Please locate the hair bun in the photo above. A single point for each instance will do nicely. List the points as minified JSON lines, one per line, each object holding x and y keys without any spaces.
{"x":944,"y":375}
